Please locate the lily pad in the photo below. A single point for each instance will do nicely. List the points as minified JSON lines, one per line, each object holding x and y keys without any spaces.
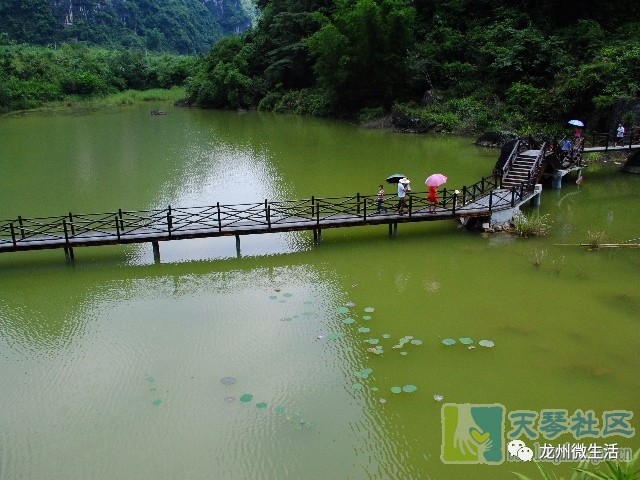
{"x":386,"y":335}
{"x":273,"y":297}
{"x":357,"y":386}
{"x":364,"y":329}
{"x":280,"y":410}
{"x":465,"y":341}
{"x":449,"y":341}
{"x":229,"y":399}
{"x":261,"y":405}
{"x":409,"y":388}
{"x":350,"y":304}
{"x":486,"y":343}
{"x":373,"y":341}
{"x":366,"y":317}
{"x":247,"y":397}
{"x":287,"y":294}
{"x":415,"y":341}
{"x":438,"y":398}
{"x":396,"y":389}
{"x":348,"y":320}
{"x":369,"y":309}
{"x":342,"y":310}
{"x":157,"y":402}
{"x":404,"y":353}
{"x":227,"y":380}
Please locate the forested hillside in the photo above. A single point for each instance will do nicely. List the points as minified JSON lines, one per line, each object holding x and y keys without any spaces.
{"x":175,"y":26}
{"x":459,"y":64}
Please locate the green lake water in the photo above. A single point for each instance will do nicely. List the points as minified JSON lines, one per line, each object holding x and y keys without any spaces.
{"x":212,"y":366}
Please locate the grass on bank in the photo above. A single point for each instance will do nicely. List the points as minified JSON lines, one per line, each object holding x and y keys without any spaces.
{"x":115,"y":100}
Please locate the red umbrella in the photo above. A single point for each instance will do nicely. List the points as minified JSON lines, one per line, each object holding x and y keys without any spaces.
{"x":435,"y":180}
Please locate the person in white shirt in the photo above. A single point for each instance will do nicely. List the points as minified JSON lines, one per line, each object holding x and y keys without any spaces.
{"x":403,"y":189}
{"x":619,"y":134}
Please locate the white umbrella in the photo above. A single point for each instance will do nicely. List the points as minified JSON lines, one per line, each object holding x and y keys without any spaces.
{"x":576,"y":123}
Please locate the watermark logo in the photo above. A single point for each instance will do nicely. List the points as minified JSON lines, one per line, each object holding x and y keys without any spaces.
{"x":475,"y":433}
{"x":472,"y":433}
{"x":517,"y":448}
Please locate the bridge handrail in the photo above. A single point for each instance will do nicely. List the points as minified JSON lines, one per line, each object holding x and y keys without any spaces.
{"x":608,"y":139}
{"x":123,"y":224}
{"x":512,"y":156}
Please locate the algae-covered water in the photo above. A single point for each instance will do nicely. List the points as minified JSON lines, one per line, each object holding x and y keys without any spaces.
{"x":281,"y":363}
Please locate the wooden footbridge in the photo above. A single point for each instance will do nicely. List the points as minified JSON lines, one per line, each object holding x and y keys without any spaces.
{"x":495,"y":193}
{"x":514,"y":182}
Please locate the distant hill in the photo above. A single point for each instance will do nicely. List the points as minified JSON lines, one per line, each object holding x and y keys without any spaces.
{"x":178,"y":26}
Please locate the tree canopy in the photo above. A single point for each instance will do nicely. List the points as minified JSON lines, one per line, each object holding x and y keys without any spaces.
{"x":475,"y":62}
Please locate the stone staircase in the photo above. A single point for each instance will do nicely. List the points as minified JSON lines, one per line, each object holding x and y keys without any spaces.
{"x":519,"y":171}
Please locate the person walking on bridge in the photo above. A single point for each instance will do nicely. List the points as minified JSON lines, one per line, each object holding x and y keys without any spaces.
{"x":619,"y":135}
{"x":380,"y":200}
{"x":403,"y":189}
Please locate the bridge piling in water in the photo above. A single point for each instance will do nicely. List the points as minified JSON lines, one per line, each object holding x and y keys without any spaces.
{"x":156,"y":252}
{"x":237,"y":245}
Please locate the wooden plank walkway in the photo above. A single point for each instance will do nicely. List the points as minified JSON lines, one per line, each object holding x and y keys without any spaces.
{"x":126,"y":227}
{"x":611,"y":148}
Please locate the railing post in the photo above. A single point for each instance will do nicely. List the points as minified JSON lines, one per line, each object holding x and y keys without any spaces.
{"x":482,"y":184}
{"x":455,"y":201}
{"x":365,"y":209}
{"x":21,"y":227}
{"x":490,"y":200}
{"x":444,"y":198}
{"x":358,"y":204}
{"x":313,"y":207}
{"x":66,"y":233}
{"x":73,"y":228}
{"x":318,"y":214}
{"x":117,"y":227}
{"x":464,"y":195}
{"x":121,"y":220}
{"x":521,"y":191}
{"x":13,"y":234}
{"x":219,"y":220}
{"x":169,"y":221}
{"x":513,"y":196}
{"x":267,"y":209}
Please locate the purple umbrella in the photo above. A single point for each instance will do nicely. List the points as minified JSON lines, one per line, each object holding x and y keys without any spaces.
{"x":435,"y":180}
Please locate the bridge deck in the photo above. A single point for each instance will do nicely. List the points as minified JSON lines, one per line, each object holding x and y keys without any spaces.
{"x":611,"y":148}
{"x":226,"y":220}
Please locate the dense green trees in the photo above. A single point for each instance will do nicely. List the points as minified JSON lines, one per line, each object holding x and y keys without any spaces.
{"x":178,"y":26}
{"x":466,"y":64}
{"x":31,"y":76}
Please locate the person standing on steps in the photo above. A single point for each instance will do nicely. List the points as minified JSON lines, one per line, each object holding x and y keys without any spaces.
{"x":403,"y":189}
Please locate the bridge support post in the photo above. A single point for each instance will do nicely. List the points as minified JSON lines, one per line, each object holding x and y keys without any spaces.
{"x":391,"y":230}
{"x":68,"y":254}
{"x":395,"y":230}
{"x":535,"y":200}
{"x":156,"y":252}
{"x":556,"y":182}
{"x":237,"y":245}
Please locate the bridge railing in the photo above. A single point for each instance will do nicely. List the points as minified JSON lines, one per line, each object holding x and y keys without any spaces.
{"x":607,"y":139}
{"x":127,"y":225}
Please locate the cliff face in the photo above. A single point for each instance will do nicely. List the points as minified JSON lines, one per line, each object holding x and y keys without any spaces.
{"x":181,"y":26}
